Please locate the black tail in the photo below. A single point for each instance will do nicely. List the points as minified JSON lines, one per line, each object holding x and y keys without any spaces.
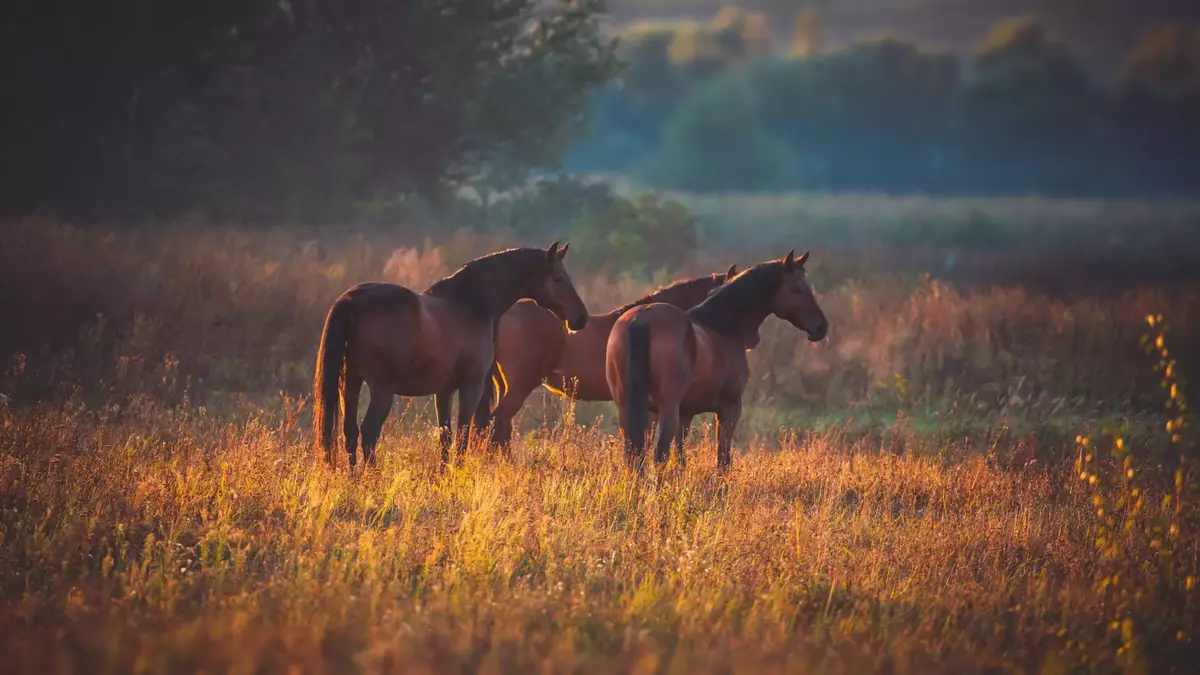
{"x":637,"y":391}
{"x":331,"y":368}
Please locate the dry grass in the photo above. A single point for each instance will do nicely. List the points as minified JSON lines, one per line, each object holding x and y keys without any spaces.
{"x":162,"y":510}
{"x":171,"y":541}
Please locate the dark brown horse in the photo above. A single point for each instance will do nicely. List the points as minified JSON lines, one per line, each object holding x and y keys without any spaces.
{"x":533,"y":348}
{"x":439,"y":342}
{"x":681,"y":364}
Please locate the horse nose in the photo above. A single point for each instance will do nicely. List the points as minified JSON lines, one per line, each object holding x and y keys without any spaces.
{"x":578,"y":321}
{"x":819,"y":332}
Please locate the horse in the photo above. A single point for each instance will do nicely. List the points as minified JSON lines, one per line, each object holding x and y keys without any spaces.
{"x":533,"y":348}
{"x":660,"y":358}
{"x":440,"y":341}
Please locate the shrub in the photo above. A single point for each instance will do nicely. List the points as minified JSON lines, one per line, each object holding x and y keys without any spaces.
{"x":642,"y":234}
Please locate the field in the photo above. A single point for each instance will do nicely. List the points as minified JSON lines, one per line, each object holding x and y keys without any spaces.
{"x":980,"y":471}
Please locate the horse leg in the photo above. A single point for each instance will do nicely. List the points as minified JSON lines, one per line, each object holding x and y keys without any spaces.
{"x":372,"y":425}
{"x":519,"y":389}
{"x":443,"y":401}
{"x":350,"y":391}
{"x":685,"y":425}
{"x":668,"y":431}
{"x":635,"y":445}
{"x":483,"y":412}
{"x":727,"y":421}
{"x":468,"y":401}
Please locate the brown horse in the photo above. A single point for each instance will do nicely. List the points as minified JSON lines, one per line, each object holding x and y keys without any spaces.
{"x":439,"y":342}
{"x":680,"y":364}
{"x":533,"y":348}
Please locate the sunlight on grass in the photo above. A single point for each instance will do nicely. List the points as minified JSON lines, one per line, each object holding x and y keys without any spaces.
{"x":183,"y":543}
{"x":905,"y":498}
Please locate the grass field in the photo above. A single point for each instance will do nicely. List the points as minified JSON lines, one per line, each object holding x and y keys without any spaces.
{"x":963,"y":478}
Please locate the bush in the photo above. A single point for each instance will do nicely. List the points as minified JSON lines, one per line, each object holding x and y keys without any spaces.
{"x":642,"y":234}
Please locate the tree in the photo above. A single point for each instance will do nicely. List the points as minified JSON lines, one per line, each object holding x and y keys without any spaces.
{"x":1029,"y":117}
{"x":869,"y":116}
{"x":715,"y":142}
{"x":259,"y":105}
{"x":1158,"y":89}
{"x":647,"y":233}
{"x":808,"y":35}
{"x":1165,"y":61}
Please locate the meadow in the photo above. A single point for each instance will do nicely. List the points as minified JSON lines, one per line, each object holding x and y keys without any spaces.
{"x":983,"y":469}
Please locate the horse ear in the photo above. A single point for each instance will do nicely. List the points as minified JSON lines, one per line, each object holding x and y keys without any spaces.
{"x":729,"y":273}
{"x":562,"y":252}
{"x":804,"y":258}
{"x":790,"y":260}
{"x":552,"y":252}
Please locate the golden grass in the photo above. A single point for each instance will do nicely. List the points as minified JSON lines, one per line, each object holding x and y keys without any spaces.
{"x":166,"y":541}
{"x":162,"y":508}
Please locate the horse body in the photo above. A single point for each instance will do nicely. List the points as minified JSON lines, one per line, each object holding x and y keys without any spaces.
{"x":533,"y":348}
{"x":579,"y":373}
{"x":679,"y":364}
{"x":412,"y":347}
{"x":438,"y":342}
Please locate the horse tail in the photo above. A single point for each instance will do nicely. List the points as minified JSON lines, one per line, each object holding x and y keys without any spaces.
{"x":330,"y":375}
{"x":637,"y":386}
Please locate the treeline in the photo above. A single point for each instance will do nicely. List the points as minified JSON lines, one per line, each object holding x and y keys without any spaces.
{"x":284,"y":109}
{"x":714,"y":107}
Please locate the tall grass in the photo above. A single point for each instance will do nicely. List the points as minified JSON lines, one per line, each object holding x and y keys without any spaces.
{"x":162,"y":508}
{"x":224,"y":316}
{"x":173,"y":541}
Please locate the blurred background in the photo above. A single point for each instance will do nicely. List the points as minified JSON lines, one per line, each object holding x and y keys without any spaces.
{"x":996,"y":193}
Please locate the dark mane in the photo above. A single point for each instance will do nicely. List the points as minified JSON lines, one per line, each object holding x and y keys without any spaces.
{"x":748,"y":292}
{"x":673,"y":288}
{"x":482,"y":284}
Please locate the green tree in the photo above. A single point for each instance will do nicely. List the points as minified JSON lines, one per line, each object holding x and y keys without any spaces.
{"x":868,"y":116}
{"x":294,"y":106}
{"x":646,"y":233}
{"x":1158,"y":90}
{"x":1165,"y":61}
{"x":808,"y":34}
{"x":1030,"y":117}
{"x":715,"y":142}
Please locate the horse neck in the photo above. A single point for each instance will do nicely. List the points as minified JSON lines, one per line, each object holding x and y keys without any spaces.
{"x":490,"y":292}
{"x":741,"y":321}
{"x":748,"y":325}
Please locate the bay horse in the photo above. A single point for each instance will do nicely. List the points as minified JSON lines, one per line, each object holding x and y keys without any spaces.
{"x":533,"y":348}
{"x":439,"y":341}
{"x":680,"y":364}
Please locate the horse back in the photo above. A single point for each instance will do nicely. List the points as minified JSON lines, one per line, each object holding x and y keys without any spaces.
{"x":415,"y":344}
{"x":672,"y":347}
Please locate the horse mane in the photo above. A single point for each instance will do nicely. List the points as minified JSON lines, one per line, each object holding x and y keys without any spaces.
{"x":480,"y":284}
{"x":752,"y":288}
{"x":665,"y":291}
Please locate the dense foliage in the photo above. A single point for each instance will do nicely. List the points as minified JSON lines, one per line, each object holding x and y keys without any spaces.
{"x":699,"y":108}
{"x":267,"y":110}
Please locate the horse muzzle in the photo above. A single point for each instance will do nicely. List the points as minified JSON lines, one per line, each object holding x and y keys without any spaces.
{"x":817,"y":334}
{"x":577,"y":322}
